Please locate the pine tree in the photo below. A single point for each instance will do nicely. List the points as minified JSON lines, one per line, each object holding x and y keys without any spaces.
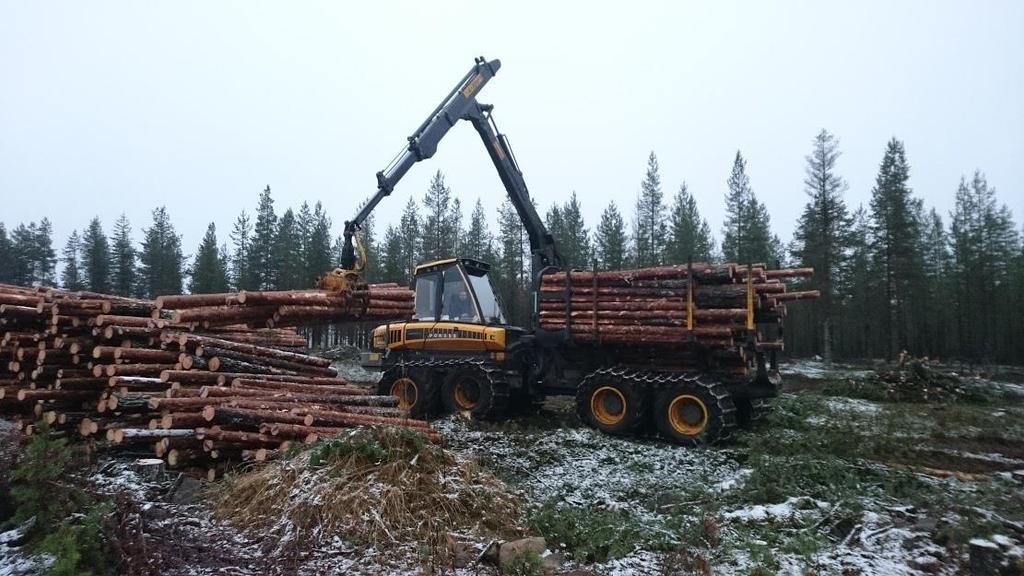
{"x":241,"y":258}
{"x":610,"y":239}
{"x":96,"y":258}
{"x":161,"y":257}
{"x":858,"y":326}
{"x":438,"y":238}
{"x":821,"y":239}
{"x":689,"y":237}
{"x":477,"y":241}
{"x":895,"y":243}
{"x":122,"y":257}
{"x":261,"y":252}
{"x":304,"y":231}
{"x":367,"y":232}
{"x":209,"y":274}
{"x":649,"y":230}
{"x":288,"y":265}
{"x":45,"y":262}
{"x":746,"y":236}
{"x":71,"y":276}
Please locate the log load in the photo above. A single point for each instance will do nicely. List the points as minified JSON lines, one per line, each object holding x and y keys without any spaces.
{"x":714,"y":306}
{"x":202,"y":379}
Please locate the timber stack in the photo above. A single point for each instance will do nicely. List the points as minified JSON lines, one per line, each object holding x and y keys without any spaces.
{"x":288,"y":308}
{"x":129,"y":374}
{"x":723,"y":307}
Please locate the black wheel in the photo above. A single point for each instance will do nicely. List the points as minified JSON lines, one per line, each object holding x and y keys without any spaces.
{"x":749,"y":412}
{"x":692,"y":411}
{"x":473,"y":390}
{"x":415,"y":389}
{"x":611,"y":402}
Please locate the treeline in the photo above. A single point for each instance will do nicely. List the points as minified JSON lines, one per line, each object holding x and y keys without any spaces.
{"x":893,"y":275}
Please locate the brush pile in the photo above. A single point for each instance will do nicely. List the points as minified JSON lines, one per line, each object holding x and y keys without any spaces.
{"x":126,"y":372}
{"x":650,"y":305}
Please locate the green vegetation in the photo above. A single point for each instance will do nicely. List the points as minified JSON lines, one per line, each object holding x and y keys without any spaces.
{"x":68,"y":521}
{"x":591,"y":535}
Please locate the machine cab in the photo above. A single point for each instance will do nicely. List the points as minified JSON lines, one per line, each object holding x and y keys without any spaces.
{"x":456,"y":290}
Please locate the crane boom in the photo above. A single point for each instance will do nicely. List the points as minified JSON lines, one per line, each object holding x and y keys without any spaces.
{"x":459,"y":104}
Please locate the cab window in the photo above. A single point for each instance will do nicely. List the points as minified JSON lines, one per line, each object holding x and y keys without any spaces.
{"x":458,"y":300}
{"x":427,"y":289}
{"x":485,"y":296}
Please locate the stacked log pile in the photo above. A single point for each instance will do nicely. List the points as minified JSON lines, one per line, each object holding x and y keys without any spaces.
{"x":127,"y":373}
{"x":651,"y":305}
{"x":382,"y":302}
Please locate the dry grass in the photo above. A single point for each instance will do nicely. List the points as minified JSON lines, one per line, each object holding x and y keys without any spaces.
{"x":373,"y":486}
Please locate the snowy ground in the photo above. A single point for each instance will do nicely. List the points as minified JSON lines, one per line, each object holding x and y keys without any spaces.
{"x":827,"y":485}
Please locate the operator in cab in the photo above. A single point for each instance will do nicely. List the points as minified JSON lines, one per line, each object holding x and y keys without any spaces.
{"x":460,"y":305}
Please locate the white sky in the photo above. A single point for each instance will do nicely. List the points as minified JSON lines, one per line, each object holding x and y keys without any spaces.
{"x":122,"y":106}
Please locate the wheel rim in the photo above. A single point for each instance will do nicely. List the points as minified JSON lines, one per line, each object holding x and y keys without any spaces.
{"x":688,"y":415}
{"x":466,"y":394}
{"x":406,"y":391}
{"x":608,"y":405}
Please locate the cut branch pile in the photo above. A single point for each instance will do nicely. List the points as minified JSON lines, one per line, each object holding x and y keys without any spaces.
{"x":651,"y":305}
{"x":382,"y":302}
{"x":121,"y":372}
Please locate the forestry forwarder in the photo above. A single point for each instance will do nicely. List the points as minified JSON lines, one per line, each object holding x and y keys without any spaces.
{"x":458,"y":353}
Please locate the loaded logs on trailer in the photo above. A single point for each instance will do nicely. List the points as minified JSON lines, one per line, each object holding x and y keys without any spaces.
{"x":725,"y":307}
{"x":119,"y":372}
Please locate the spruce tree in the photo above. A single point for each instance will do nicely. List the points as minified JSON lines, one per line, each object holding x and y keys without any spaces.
{"x":96,"y":258}
{"x":437,"y":235}
{"x":304,"y":232}
{"x":895,"y":243}
{"x":477,"y":241}
{"x":610,"y":239}
{"x":71,"y":275}
{"x":241,"y":257}
{"x":934,"y":311}
{"x":391,"y":266}
{"x":689,"y":238}
{"x":288,"y":266}
{"x":512,"y":272}
{"x":821,"y":239}
{"x":410,"y":229}
{"x":746,"y":235}
{"x":859,"y":326}
{"x":122,"y":259}
{"x":318,"y":247}
{"x":6,"y":256}
{"x":161,"y":258}
{"x":23,"y":252}
{"x":574,"y":244}
{"x":556,"y":227}
{"x":649,"y":229}
{"x":984,"y":242}
{"x":261,"y":252}
{"x":209,"y":274}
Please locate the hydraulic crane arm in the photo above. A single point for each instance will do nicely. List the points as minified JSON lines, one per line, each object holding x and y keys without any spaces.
{"x":459,"y":104}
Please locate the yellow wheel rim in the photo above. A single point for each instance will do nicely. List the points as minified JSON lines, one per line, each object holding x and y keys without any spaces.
{"x":463,"y":399}
{"x":406,"y":391}
{"x":608,"y":405}
{"x":688,"y":415}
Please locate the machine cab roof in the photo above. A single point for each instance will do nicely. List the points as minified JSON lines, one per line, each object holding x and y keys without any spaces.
{"x":456,"y":290}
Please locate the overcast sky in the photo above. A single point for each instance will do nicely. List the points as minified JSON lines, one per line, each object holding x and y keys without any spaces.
{"x":110,"y":107}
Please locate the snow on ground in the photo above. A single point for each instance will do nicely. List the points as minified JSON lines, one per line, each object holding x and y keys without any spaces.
{"x":16,"y":562}
{"x":818,"y":370}
{"x":585,"y":468}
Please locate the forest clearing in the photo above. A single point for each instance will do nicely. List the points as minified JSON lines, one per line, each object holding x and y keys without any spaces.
{"x":853,"y":472}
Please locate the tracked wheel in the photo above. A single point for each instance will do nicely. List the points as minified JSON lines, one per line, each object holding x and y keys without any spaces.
{"x":693,"y":410}
{"x":612,"y":401}
{"x":415,"y":389}
{"x":475,"y":390}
